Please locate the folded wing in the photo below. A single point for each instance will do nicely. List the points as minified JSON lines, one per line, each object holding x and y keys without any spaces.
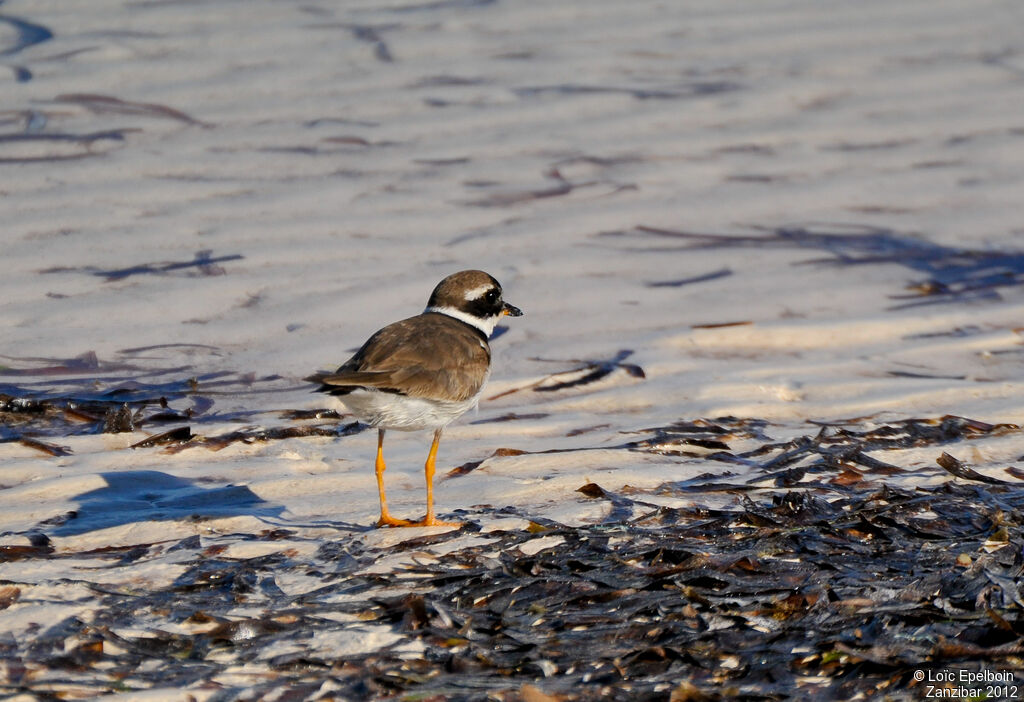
{"x":430,"y":356}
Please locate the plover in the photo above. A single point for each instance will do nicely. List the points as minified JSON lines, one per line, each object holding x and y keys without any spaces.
{"x":423,"y":372}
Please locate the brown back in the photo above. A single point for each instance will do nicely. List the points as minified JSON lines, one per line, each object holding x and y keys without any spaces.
{"x":432,"y":356}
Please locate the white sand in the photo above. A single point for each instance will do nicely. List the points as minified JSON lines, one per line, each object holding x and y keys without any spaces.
{"x":350,"y":184}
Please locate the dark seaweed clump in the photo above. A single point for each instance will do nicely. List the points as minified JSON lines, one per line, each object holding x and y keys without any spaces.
{"x":100,"y":396}
{"x":828,"y":582}
{"x":779,"y":599}
{"x":804,"y":568}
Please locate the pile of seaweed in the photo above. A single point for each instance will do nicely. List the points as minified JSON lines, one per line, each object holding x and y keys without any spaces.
{"x":95,"y":396}
{"x":781,"y":599}
{"x":817,"y":579}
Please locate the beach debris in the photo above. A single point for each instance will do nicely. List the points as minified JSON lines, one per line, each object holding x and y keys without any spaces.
{"x":106,"y":104}
{"x":119,"y":420}
{"x":721,"y":325}
{"x":779,"y":595}
{"x":45,"y":446}
{"x":511,"y":417}
{"x":93,"y":399}
{"x":813,"y":578}
{"x":334,"y":145}
{"x":835,"y":445}
{"x":87,"y":139}
{"x":809,"y":575}
{"x":174,"y":436}
{"x":671,"y":92}
{"x":957,"y":468}
{"x":592,"y":490}
{"x":9,"y":595}
{"x":700,"y":436}
{"x":927,"y":376}
{"x":588,"y":371}
{"x":304,"y":414}
{"x":37,"y":147}
{"x":470,"y":466}
{"x":259,"y":435}
{"x":38,"y":546}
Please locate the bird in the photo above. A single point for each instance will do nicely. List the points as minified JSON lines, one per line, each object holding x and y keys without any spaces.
{"x":423,"y":372}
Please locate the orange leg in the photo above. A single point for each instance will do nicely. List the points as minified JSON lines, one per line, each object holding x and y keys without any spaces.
{"x":385,"y":518}
{"x":430,"y":519}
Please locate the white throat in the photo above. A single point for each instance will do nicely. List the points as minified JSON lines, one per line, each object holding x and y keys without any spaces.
{"x":486,"y":325}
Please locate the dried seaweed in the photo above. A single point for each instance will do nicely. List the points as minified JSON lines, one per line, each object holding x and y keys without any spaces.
{"x":470,"y":466}
{"x":174,"y":436}
{"x":926,"y":376}
{"x":957,"y":468}
{"x":721,"y":325}
{"x":589,"y":371}
{"x":834,"y":446}
{"x":44,"y":446}
{"x":510,"y":417}
{"x":706,"y":433}
{"x":504,"y":199}
{"x":695,"y":89}
{"x":92,"y":403}
{"x":812,"y":577}
{"x":106,"y":104}
{"x":85,"y":141}
{"x":258,"y":434}
{"x":792,"y":597}
{"x":815,"y":590}
{"x":320,"y":413}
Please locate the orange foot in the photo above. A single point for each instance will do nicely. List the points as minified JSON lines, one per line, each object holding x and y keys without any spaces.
{"x":386,"y":520}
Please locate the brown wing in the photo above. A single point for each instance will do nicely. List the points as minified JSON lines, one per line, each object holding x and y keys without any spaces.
{"x":431,"y":356}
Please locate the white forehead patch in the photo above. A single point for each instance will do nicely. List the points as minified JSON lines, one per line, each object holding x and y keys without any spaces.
{"x":477,"y":293}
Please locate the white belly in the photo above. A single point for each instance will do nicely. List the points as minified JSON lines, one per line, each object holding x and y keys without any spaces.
{"x":389,"y":410}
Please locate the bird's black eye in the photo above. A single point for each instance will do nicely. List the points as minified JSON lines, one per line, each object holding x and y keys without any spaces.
{"x":492,"y":296}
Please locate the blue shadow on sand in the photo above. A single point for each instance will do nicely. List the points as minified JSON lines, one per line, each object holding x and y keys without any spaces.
{"x":149,"y":495}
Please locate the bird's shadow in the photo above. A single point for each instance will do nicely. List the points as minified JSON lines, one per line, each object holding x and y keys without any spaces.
{"x":149,"y":495}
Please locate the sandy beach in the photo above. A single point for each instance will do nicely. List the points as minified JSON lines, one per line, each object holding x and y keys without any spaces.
{"x":728,"y":226}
